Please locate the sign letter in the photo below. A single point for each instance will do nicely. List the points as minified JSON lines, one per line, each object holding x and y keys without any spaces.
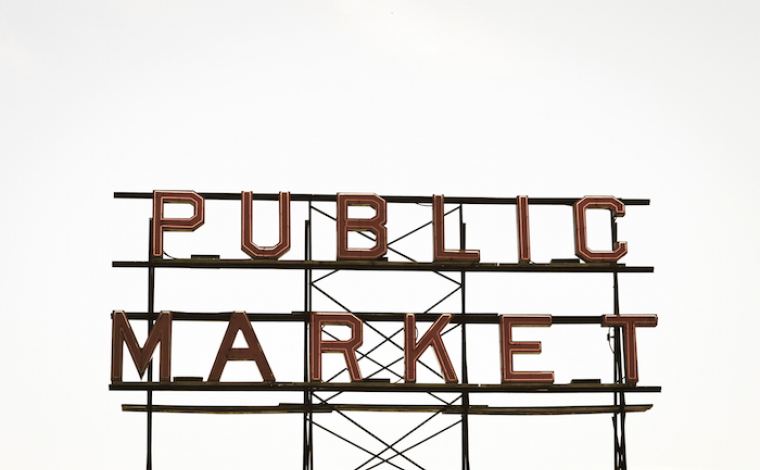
{"x":122,"y":333}
{"x":254,"y":250}
{"x":440,"y":253}
{"x":579,"y":219}
{"x":523,"y":229}
{"x":239,"y":322}
{"x":509,"y":347}
{"x":375,"y":225}
{"x":629,"y":324}
{"x":348,"y":348}
{"x":432,"y":337}
{"x":160,"y":224}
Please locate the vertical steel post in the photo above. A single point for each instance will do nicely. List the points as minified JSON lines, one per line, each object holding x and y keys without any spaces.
{"x":151,"y":299}
{"x":306,"y":351}
{"x":308,"y":315}
{"x":465,"y":378}
{"x":618,"y":418}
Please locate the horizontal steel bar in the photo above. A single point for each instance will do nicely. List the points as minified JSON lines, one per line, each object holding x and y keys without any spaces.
{"x":555,"y":410}
{"x":453,"y":409}
{"x":364,"y":316}
{"x":378,"y":387}
{"x":204,"y":263}
{"x":567,"y":201}
{"x":229,"y":409}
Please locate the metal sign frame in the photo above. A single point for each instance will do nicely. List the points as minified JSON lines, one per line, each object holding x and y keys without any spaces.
{"x":313,"y":404}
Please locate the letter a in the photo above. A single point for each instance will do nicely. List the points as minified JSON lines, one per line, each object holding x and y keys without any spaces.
{"x":239,"y":322}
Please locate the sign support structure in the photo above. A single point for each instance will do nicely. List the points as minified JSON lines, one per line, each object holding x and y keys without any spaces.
{"x":618,"y":419}
{"x":315,"y":404}
{"x":151,"y":320}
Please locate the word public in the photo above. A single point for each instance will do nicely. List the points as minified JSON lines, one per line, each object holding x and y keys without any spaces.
{"x":376,"y":225}
{"x":413,"y":347}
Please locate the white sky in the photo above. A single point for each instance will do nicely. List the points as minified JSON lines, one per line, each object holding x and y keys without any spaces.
{"x":638,"y":99}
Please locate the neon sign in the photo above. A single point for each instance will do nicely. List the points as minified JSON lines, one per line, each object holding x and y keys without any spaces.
{"x":623,"y":328}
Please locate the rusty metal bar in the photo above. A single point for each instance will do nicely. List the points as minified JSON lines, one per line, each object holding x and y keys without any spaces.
{"x":305,"y":319}
{"x":465,"y":377}
{"x":371,"y":386}
{"x":484,"y":410}
{"x":554,"y":410}
{"x":364,"y":316}
{"x":151,"y":314}
{"x":566,"y":201}
{"x":618,"y":418}
{"x":310,"y":285}
{"x":364,"y":265}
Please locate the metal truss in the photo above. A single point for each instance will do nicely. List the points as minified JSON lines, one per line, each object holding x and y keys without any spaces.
{"x":375,"y":458}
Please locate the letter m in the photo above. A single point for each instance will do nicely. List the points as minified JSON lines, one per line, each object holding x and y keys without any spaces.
{"x":122,"y":333}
